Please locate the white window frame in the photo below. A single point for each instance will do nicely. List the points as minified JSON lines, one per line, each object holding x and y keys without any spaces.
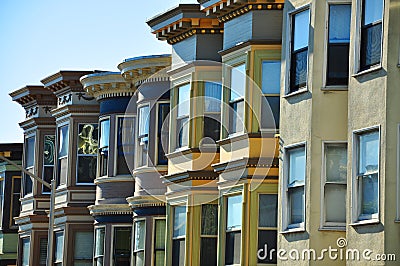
{"x":326,"y":44}
{"x":237,"y":100}
{"x":134,"y":251}
{"x":286,"y":227}
{"x":325,"y":225}
{"x":104,"y":118}
{"x":95,"y":243}
{"x":175,"y":133}
{"x":157,"y":135}
{"x":58,"y":177}
{"x":137,"y":136}
{"x":355,"y":195}
{"x":54,"y":164}
{"x":357,"y":66}
{"x":153,"y":237}
{"x":113,"y":226}
{"x":55,"y":245}
{"x":289,"y":36}
{"x":92,"y":155}
{"x":225,"y":223}
{"x":115,"y":148}
{"x":13,"y":178}
{"x":31,"y":167}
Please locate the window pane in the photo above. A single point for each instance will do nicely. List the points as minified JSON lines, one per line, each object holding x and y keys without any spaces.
{"x":16,"y":204}
{"x":298,"y":70}
{"x":87,"y":166}
{"x":297,"y":166}
{"x":63,"y":141}
{"x":48,"y":151}
{"x":267,"y":210}
{"x":125,"y":145}
{"x":26,"y":243}
{"x":63,"y":170}
{"x":209,"y":219}
{"x":144,"y":117}
{"x":233,"y":248}
{"x":212,"y":95}
{"x":338,"y":64}
{"x":178,"y":252}
{"x":83,"y":246}
{"x":212,"y":127}
{"x":159,"y":258}
{"x":42,"y":251}
{"x":335,"y":203}
{"x":300,"y":29}
{"x":368,"y":153}
{"x":159,"y":234}
{"x":271,"y":77}
{"x":99,"y":251}
{"x":59,"y":242}
{"x":163,"y":132}
{"x":88,"y":139}
{"x":270,"y":104}
{"x":238,"y":82}
{"x":371,"y":43}
{"x":140,"y":229}
{"x":234,"y":212}
{"x":369,"y":200}
{"x":183,"y":100}
{"x":296,"y":201}
{"x":179,"y":221}
{"x":182,"y":126}
{"x":30,"y":152}
{"x":208,"y":251}
{"x":236,"y":117}
{"x":269,"y":238}
{"x":339,"y":23}
{"x":1,"y":199}
{"x":122,"y":246}
{"x":139,"y":258}
{"x":373,"y":11}
{"x":104,"y":133}
{"x":336,"y":163}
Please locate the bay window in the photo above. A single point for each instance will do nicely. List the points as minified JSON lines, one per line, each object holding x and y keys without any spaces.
{"x":299,"y":50}
{"x":104,"y":136}
{"x":87,"y":153}
{"x":212,"y":110}
{"x":83,"y":249}
{"x":267,"y":226}
{"x":29,"y":164}
{"x":236,"y":99}
{"x":182,"y":119}
{"x":159,"y":242}
{"x":295,"y":187}
{"x":59,"y":248}
{"x":163,"y":132}
{"x":143,"y":135}
{"x":338,"y":44}
{"x":125,"y":145}
{"x":371,"y":33}
{"x":63,"y":141}
{"x":335,"y":180}
{"x":367,"y":175}
{"x":233,"y":230}
{"x":99,"y":246}
{"x":139,"y":242}
{"x":270,"y":86}
{"x":48,"y":160}
{"x":209,"y":231}
{"x":15,"y":203}
{"x":122,"y":246}
{"x":178,"y":236}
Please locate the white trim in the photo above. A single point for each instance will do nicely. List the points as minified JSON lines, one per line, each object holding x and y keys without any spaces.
{"x":57,"y":163}
{"x":113,"y":226}
{"x":288,"y":59}
{"x":156,"y":133}
{"x":95,"y":243}
{"x":115,"y":148}
{"x":102,"y":119}
{"x":355,"y":195}
{"x":285,"y":226}
{"x":137,"y":148}
{"x":324,"y":225}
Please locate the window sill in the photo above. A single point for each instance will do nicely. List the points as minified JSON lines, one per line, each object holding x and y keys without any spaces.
{"x":333,"y":228}
{"x":295,"y":93}
{"x":293,"y":230}
{"x":335,"y":88}
{"x":85,"y":184}
{"x":367,"y":71}
{"x":365,"y":222}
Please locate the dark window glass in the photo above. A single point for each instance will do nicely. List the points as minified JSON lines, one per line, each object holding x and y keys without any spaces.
{"x":208,"y":251}
{"x":104,"y":136}
{"x":267,"y":210}
{"x":338,"y":45}
{"x":212,"y":110}
{"x":29,"y":164}
{"x":163,"y":132}
{"x":178,"y":252}
{"x":371,"y":33}
{"x":270,"y":112}
{"x":83,"y":248}
{"x":233,"y":247}
{"x":42,"y":251}
{"x":159,"y":242}
{"x":182,"y":119}
{"x":209,"y":229}
{"x":87,"y":153}
{"x":125,"y":145}
{"x":122,"y":246}
{"x":48,"y":160}
{"x":63,"y":140}
{"x":236,"y":99}
{"x":267,"y":238}
{"x":16,"y":204}
{"x":299,"y":50}
{"x":143,"y":136}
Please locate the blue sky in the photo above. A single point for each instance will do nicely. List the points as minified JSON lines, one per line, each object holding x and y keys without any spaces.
{"x":41,"y":37}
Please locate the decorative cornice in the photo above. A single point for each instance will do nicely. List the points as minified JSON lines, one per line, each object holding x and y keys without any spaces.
{"x":229,"y":15}
{"x":75,"y":110}
{"x":110,"y":209}
{"x":146,"y":201}
{"x":246,"y":163}
{"x":32,"y":96}
{"x":190,"y":176}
